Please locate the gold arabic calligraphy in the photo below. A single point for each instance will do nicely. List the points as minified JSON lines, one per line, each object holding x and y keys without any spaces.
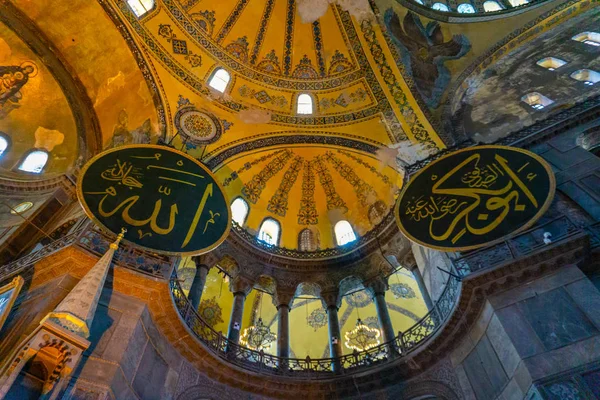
{"x":460,"y":202}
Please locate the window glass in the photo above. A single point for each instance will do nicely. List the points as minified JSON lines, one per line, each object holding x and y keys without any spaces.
{"x":466,"y":8}
{"x":34,"y":162}
{"x":3,"y":145}
{"x":551,"y":63}
{"x":219,"y":80}
{"x":587,"y":76}
{"x":591,"y":38}
{"x":536,"y":100}
{"x":269,"y":231}
{"x":517,"y":3}
{"x":491,"y":6}
{"x":344,"y":233}
{"x":306,"y":241}
{"x":305,"y":105}
{"x":140,"y":7}
{"x":440,"y":7}
{"x":239,"y":211}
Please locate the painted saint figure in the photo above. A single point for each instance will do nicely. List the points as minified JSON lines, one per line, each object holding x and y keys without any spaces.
{"x":12,"y":79}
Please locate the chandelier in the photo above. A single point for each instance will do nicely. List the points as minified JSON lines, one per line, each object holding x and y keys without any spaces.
{"x":257,"y":337}
{"x":362,"y":337}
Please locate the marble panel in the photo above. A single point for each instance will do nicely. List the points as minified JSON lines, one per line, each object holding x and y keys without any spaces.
{"x":151,"y":374}
{"x":512,"y":296}
{"x":563,"y":143}
{"x":577,"y":170}
{"x":478,"y":377}
{"x":102,"y":329}
{"x":188,"y":376}
{"x":562,"y":277}
{"x":507,"y":354}
{"x":567,"y":159}
{"x":520,"y":332}
{"x":581,"y":197}
{"x":135,"y":349}
{"x":556,"y":319}
{"x":121,"y":388}
{"x":465,"y":385}
{"x":592,"y":380}
{"x":168,"y":352}
{"x":512,"y":391}
{"x":491,"y":364}
{"x":587,"y":297}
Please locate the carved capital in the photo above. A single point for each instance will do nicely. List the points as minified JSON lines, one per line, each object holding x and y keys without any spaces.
{"x":201,"y":262}
{"x":331,"y":299}
{"x":408,"y":261}
{"x":377,"y":286}
{"x":240,"y":284}
{"x":282,"y":298}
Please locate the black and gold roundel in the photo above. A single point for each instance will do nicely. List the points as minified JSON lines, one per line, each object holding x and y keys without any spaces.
{"x":475,"y":197}
{"x":168,"y":202}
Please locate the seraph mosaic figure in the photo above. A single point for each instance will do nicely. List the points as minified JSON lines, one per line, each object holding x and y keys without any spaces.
{"x":424,"y":52}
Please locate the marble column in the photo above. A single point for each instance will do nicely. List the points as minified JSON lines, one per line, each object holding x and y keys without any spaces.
{"x":240,"y":288}
{"x":195,"y":294}
{"x":283,"y":302}
{"x":378,"y":287}
{"x":422,"y":288}
{"x":331,"y":303}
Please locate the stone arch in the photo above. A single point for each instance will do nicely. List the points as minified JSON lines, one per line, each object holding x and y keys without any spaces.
{"x":420,"y":390}
{"x":308,"y":289}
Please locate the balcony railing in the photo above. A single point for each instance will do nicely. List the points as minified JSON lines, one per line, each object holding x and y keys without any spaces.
{"x":322,"y":368}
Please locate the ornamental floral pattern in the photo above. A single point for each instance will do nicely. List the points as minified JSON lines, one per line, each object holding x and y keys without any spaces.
{"x":334,"y":201}
{"x":384,"y":178}
{"x":279,"y":202}
{"x":307,"y":215}
{"x":247,"y":166}
{"x":402,"y":291}
{"x":210,"y":311}
{"x":343,"y":100}
{"x":359,"y":299}
{"x":317,"y":319}
{"x":262,"y":96}
{"x":364,"y":192}
{"x":179,"y":46}
{"x":254,"y":188}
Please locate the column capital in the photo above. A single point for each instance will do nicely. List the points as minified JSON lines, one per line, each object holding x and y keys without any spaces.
{"x":240,"y":284}
{"x":282,"y":298}
{"x":409,"y":262}
{"x":331,"y":299}
{"x":200,"y":262}
{"x":378,"y":285}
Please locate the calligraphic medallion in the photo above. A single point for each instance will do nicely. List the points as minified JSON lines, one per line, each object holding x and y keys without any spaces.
{"x":475,"y":197}
{"x":169,"y":202}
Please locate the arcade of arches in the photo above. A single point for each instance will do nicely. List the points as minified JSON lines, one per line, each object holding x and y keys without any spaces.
{"x":312,"y":115}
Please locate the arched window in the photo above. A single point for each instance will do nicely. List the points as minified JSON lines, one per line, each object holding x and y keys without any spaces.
{"x":491,"y":6}
{"x":219,"y":80}
{"x":269,"y":231}
{"x":34,"y":162}
{"x":517,"y":3}
{"x":591,"y":38}
{"x":3,"y":144}
{"x":587,"y":76}
{"x":239,"y":211}
{"x":344,"y":233}
{"x":140,"y":7}
{"x":306,"y":240}
{"x":551,"y":63}
{"x":305,"y":104}
{"x":536,"y":100}
{"x":466,"y":8}
{"x":440,"y":7}
{"x":419,"y":2}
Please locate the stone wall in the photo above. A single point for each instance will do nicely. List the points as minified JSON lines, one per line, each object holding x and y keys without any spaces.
{"x":428,"y":260}
{"x":525,"y":335}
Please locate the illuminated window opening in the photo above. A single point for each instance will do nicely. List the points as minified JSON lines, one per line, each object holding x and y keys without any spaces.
{"x":466,"y":8}
{"x":536,"y":100}
{"x":491,"y":6}
{"x":305,"y":104}
{"x":269,"y":231}
{"x":587,"y":76}
{"x":344,"y":233}
{"x":551,"y":63}
{"x":591,"y":38}
{"x":419,"y":2}
{"x":3,"y":145}
{"x":518,"y":3}
{"x":140,"y":7}
{"x":239,"y":211}
{"x":306,"y":240}
{"x":21,"y":208}
{"x":219,"y":80}
{"x":440,"y":7}
{"x":34,"y":162}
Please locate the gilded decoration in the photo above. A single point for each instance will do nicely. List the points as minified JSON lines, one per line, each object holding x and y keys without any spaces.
{"x":247,"y":166}
{"x":359,"y":299}
{"x":211,"y":311}
{"x":254,"y":188}
{"x":179,"y":46}
{"x":364,"y":192}
{"x":239,"y":48}
{"x":262,"y":30}
{"x":197,"y":127}
{"x":343,"y":100}
{"x":334,"y":201}
{"x":384,"y":178}
{"x":270,"y":64}
{"x":475,"y":197}
{"x":308,"y":215}
{"x":12,"y":79}
{"x":8,"y":296}
{"x":205,"y":20}
{"x":305,"y":69}
{"x":278,"y":204}
{"x":262,"y":96}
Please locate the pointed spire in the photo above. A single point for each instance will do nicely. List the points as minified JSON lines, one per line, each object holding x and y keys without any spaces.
{"x":76,"y":312}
